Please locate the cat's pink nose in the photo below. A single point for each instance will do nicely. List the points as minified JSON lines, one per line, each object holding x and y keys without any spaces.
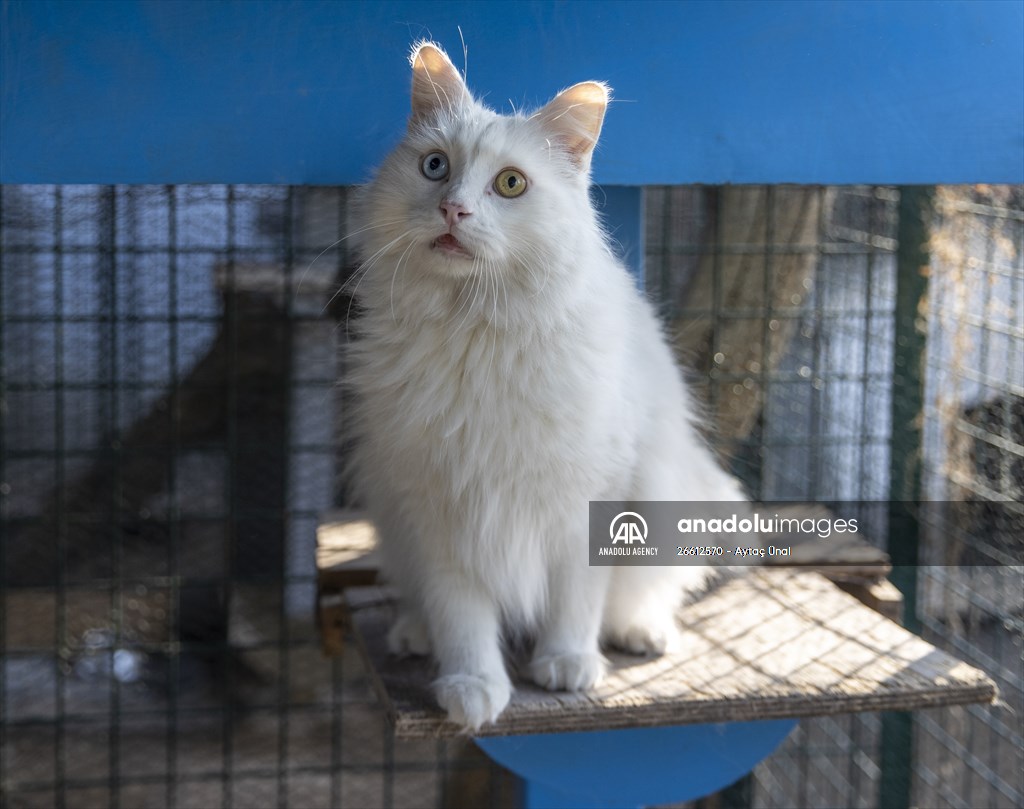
{"x":452,"y":212}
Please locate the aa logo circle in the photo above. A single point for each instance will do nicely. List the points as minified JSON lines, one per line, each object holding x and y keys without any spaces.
{"x":628,"y":527}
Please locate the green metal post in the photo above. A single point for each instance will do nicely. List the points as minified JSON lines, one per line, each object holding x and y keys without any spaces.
{"x":915,"y":211}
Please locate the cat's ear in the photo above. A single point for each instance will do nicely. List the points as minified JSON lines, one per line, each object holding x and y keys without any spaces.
{"x":574,"y":117}
{"x":436,"y":83}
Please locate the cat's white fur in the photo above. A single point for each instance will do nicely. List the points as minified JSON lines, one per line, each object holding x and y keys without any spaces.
{"x":497,"y":395}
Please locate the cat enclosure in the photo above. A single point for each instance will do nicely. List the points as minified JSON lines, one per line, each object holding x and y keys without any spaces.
{"x":170,"y":444}
{"x":172,"y":431}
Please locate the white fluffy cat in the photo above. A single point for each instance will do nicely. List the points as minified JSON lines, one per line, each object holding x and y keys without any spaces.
{"x":507,"y":373}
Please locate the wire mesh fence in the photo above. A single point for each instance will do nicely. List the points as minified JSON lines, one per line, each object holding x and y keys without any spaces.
{"x":971,"y":599}
{"x":171,"y":434}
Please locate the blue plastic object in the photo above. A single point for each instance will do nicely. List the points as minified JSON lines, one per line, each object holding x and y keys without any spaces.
{"x":636,"y":766}
{"x":315,"y":91}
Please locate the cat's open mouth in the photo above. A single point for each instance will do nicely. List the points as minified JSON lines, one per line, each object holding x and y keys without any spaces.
{"x":451,"y":246}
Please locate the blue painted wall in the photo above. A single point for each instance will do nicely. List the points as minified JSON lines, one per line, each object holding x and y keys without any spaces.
{"x":315,"y":92}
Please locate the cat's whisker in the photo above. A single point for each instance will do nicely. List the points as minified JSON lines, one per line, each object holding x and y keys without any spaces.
{"x":394,"y":275}
{"x":465,"y":55}
{"x":485,"y":282}
{"x":348,"y":309}
{"x":473,"y":276}
{"x":365,"y":267}
{"x":523,"y":260}
{"x":504,"y":292}
{"x":355,"y":276}
{"x":478,"y":282}
{"x":353,"y":233}
{"x":462,"y":299}
{"x":494,"y":295}
{"x":539,"y":290}
{"x":361,"y":272}
{"x":331,"y":246}
{"x":492,"y":275}
{"x":358,"y":275}
{"x":379,"y":253}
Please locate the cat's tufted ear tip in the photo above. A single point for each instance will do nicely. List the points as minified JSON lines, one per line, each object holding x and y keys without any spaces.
{"x":429,"y":56}
{"x":436,"y":82}
{"x":575,"y":115}
{"x":591,"y":92}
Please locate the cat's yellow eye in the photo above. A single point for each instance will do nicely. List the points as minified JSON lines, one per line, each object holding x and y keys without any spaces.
{"x":510,"y":183}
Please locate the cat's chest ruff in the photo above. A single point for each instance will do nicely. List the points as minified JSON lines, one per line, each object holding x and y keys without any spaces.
{"x":495,"y":412}
{"x":494,"y":390}
{"x":487,"y":369}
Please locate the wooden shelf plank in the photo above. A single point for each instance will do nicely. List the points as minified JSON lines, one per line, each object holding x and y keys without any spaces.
{"x":770,"y":644}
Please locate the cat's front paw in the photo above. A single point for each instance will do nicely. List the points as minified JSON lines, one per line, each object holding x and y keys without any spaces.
{"x":408,"y":636}
{"x":567,"y":672}
{"x":470,"y":700}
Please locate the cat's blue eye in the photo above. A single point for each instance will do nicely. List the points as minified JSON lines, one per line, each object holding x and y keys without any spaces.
{"x":434,"y":166}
